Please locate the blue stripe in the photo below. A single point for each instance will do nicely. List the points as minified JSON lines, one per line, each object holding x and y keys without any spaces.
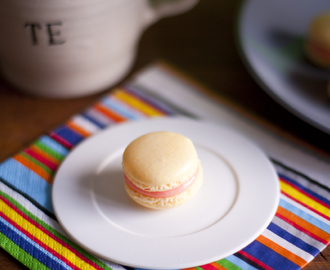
{"x":32,"y":243}
{"x":121,"y":109}
{"x":27,"y":182}
{"x":30,"y":248}
{"x":308,"y":191}
{"x":240,"y":263}
{"x":93,"y":120}
{"x":69,"y":135}
{"x":270,"y":257}
{"x":54,"y":145}
{"x":313,"y":220}
{"x":293,"y":239}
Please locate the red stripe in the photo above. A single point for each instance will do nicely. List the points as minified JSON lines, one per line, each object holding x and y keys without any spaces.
{"x":33,"y":238}
{"x":316,"y":48}
{"x":305,"y":193}
{"x":306,"y":206}
{"x":248,"y":256}
{"x":301,"y":229}
{"x":40,"y":158}
{"x":208,"y":267}
{"x":60,"y":140}
{"x":26,"y":233}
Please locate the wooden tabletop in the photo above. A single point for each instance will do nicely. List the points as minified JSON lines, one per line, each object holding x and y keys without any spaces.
{"x":202,"y":44}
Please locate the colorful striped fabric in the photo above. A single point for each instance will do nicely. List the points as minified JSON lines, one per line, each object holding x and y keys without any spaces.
{"x":29,"y":230}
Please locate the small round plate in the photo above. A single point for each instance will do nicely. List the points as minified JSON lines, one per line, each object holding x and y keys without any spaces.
{"x":238,"y":199}
{"x":271,"y":37}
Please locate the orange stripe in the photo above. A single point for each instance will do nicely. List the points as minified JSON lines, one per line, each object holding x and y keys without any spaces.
{"x":303,"y":223}
{"x":282,"y":251}
{"x":44,"y":154}
{"x":109,"y":113}
{"x":34,"y":167}
{"x":81,"y":131}
{"x":218,"y":266}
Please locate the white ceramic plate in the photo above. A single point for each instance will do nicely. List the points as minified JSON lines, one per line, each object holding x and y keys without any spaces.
{"x":236,"y":202}
{"x":271,"y":36}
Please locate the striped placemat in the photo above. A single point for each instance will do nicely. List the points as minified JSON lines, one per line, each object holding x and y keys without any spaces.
{"x":30,"y":233}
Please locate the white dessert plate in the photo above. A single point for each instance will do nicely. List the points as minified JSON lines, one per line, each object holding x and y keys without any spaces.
{"x":271,"y":38}
{"x":236,"y":202}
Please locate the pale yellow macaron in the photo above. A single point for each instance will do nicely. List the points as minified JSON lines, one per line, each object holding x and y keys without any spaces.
{"x":317,"y":45}
{"x":161,"y":170}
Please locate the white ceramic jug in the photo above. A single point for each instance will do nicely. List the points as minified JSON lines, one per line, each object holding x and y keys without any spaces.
{"x":72,"y":48}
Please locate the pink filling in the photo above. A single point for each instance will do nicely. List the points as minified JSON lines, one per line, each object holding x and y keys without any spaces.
{"x":322,"y":52}
{"x":166,"y":193}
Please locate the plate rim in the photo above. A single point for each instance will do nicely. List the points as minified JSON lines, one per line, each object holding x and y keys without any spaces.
{"x":162,"y":120}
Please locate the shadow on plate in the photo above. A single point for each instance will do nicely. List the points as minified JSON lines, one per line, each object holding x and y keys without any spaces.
{"x":109,"y":192}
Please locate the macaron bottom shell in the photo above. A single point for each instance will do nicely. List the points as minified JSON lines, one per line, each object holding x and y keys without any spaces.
{"x":168,"y":202}
{"x":319,"y":56}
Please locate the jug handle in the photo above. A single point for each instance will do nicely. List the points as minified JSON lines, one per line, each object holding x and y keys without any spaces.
{"x":158,"y":9}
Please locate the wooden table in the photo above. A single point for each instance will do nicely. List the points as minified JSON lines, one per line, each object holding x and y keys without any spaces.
{"x":201,"y":43}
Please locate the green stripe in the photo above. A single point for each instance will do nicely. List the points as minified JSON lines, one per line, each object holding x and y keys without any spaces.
{"x":228,"y":265}
{"x":38,"y":163}
{"x":49,"y":150}
{"x":53,"y":231}
{"x":198,"y":268}
{"x":20,"y":254}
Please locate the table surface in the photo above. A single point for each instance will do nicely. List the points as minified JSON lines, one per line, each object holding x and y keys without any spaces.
{"x":200,"y":42}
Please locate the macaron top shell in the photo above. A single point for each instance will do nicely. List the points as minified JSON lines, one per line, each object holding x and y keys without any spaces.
{"x":160,"y":161}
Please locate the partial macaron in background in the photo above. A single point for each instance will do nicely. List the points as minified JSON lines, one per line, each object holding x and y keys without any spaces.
{"x":317,"y":45}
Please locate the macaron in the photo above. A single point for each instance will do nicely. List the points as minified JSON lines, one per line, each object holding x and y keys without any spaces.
{"x":317,"y":43}
{"x":161,"y":170}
